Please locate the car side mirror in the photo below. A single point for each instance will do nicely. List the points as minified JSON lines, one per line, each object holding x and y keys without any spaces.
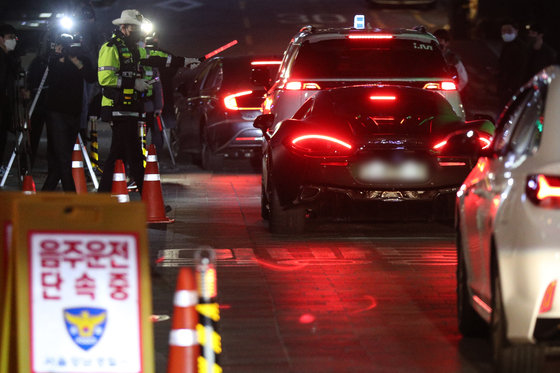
{"x":264,"y":122}
{"x":260,"y":77}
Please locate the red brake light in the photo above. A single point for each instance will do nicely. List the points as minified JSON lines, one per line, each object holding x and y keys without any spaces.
{"x":548,"y":297}
{"x":297,"y":86}
{"x":543,"y":190}
{"x":385,"y":98}
{"x":484,"y":142}
{"x":231,"y":102}
{"x":440,"y":144}
{"x":261,"y":63}
{"x":369,"y":36}
{"x":443,"y":86}
{"x":320,"y":145}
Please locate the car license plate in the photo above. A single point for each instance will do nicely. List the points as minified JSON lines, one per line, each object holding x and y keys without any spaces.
{"x":408,"y":171}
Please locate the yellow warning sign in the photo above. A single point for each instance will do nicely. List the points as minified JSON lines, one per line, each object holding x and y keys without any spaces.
{"x":81,"y":285}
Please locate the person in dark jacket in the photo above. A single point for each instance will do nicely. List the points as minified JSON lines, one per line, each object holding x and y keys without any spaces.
{"x":9,"y":68}
{"x":541,"y":54}
{"x":68,"y":69}
{"x":512,"y":63}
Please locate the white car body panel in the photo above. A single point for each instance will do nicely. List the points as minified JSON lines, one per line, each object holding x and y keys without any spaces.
{"x":492,"y":205}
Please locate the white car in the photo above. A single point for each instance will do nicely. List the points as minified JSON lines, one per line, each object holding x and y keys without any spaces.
{"x":508,"y":231}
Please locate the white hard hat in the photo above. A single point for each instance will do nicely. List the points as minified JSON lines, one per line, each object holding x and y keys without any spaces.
{"x":129,"y":17}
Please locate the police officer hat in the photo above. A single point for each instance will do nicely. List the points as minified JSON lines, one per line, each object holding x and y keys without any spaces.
{"x":129,"y":17}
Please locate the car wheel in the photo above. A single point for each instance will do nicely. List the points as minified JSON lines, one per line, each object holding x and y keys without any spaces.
{"x":282,"y":220}
{"x":210,"y":161}
{"x":175,"y":143}
{"x":469,"y":321}
{"x":512,"y":358}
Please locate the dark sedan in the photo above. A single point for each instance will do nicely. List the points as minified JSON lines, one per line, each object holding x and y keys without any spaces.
{"x":365,"y":145}
{"x":217,"y":107}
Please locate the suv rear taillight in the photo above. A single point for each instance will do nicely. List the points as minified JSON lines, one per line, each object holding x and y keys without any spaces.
{"x":299,"y":86}
{"x":441,"y":86}
{"x":543,"y":190}
{"x":369,"y":36}
{"x":318,"y":145}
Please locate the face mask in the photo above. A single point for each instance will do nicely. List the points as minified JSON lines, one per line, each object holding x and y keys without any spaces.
{"x":135,"y":36}
{"x":10,"y":44}
{"x":509,"y":37}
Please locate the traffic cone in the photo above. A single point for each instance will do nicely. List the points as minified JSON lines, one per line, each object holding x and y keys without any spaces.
{"x":183,"y":339}
{"x":118,"y":189}
{"x":78,"y":169}
{"x":28,"y":185}
{"x":151,"y":190}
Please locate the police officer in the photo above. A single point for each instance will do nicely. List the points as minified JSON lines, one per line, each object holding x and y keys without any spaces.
{"x":120,"y":76}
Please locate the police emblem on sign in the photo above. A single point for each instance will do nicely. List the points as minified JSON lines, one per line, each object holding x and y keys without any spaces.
{"x":85,"y":325}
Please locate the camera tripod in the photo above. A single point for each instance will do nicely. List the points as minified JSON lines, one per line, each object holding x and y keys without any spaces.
{"x":22,"y":143}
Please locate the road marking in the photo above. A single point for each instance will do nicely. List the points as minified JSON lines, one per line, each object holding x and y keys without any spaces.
{"x":414,"y":255}
{"x":179,"y":5}
{"x":268,"y":256}
{"x":246,"y":22}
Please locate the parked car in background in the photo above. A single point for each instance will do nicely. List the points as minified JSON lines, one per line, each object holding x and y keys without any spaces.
{"x":365,"y":145}
{"x":216,"y":107}
{"x":318,"y":59}
{"x":508,"y":230}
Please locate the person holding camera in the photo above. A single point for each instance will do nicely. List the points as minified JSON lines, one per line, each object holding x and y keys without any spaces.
{"x":9,"y":69}
{"x":68,"y":69}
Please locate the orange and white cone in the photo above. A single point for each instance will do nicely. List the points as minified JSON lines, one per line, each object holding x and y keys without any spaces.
{"x":78,"y":169}
{"x":151,"y":190}
{"x":118,"y":188}
{"x":183,"y":338}
{"x":28,"y":186}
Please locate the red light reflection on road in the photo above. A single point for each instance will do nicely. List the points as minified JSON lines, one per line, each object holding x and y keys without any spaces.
{"x":278,"y":267}
{"x":306,"y":318}
{"x":372,"y":305}
{"x":224,"y":306}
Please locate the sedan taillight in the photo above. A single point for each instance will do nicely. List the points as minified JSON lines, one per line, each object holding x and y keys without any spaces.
{"x":548,"y":298}
{"x":317,"y":145}
{"x":231,"y":101}
{"x":543,"y":190}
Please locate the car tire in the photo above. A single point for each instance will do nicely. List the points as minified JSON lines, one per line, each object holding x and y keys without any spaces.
{"x":209,"y":160}
{"x":175,"y":143}
{"x":282,"y":220}
{"x":511,"y":358}
{"x":470,"y":323}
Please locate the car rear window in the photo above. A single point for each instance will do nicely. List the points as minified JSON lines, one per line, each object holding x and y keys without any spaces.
{"x":398,"y":111}
{"x":392,"y":58}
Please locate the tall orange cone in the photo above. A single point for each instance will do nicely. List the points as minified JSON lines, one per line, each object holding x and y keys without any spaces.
{"x":183,"y":339}
{"x":28,"y":185}
{"x":118,"y":188}
{"x":78,"y":169}
{"x":151,"y":190}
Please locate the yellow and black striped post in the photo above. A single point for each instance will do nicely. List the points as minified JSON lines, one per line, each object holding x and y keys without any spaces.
{"x":208,"y":312}
{"x":94,"y":145}
{"x":142,"y":134}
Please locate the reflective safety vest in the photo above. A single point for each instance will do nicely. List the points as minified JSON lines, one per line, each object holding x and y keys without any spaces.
{"x":148,"y":71}
{"x":117,"y":72}
{"x":119,"y":67}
